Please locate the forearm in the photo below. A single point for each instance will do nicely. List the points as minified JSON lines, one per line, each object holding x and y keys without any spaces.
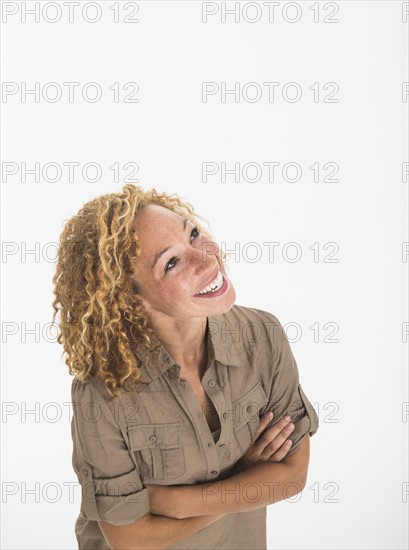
{"x":169,"y":531}
{"x":254,"y":488}
{"x":153,"y":532}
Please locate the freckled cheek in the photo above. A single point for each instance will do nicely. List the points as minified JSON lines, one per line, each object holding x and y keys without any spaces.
{"x":181,"y":287}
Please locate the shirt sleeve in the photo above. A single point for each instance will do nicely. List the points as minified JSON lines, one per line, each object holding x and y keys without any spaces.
{"x":112,"y":490}
{"x":286,"y":394}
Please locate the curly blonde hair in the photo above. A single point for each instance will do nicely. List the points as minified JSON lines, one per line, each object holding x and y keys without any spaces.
{"x":102,"y":320}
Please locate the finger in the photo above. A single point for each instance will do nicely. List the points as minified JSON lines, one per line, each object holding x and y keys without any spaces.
{"x":280,"y":427}
{"x":273,"y":445}
{"x":282,"y":452}
{"x":270,"y":434}
{"x":265,"y":419}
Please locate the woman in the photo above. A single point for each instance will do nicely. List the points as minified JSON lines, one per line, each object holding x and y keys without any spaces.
{"x":171,"y":443}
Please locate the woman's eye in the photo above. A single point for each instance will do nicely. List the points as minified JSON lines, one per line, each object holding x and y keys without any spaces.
{"x":171,"y":263}
{"x":196,"y":231}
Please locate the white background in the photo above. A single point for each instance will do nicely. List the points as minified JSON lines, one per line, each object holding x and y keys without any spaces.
{"x":355,"y":496}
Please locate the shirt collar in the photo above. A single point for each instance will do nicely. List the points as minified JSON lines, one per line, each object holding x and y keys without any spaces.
{"x":224,"y":344}
{"x":225,"y":341}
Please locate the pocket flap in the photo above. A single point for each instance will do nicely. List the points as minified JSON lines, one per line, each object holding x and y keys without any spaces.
{"x":150,"y":436}
{"x":247,"y":407}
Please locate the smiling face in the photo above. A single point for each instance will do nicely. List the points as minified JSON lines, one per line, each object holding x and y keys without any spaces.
{"x":175,"y":263}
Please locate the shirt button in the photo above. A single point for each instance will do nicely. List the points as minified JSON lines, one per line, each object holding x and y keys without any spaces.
{"x":249,"y":408}
{"x":152,"y":438}
{"x":222,"y":444}
{"x":212,"y":383}
{"x":214,"y":472}
{"x":209,"y":444}
{"x":225,"y":415}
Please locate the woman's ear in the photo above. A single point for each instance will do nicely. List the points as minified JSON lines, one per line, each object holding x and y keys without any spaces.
{"x":145,"y":305}
{"x":135,"y":286}
{"x":137,"y":292}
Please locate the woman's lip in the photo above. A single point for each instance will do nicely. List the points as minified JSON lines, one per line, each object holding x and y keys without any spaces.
{"x":212,"y":279}
{"x":218,"y":292}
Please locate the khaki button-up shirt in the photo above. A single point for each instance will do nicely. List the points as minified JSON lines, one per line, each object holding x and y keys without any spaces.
{"x":158,"y":433}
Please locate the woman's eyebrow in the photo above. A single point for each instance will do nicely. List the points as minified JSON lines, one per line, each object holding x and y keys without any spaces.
{"x":159,"y":254}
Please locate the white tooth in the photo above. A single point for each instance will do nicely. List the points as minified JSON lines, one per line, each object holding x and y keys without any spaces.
{"x":215,"y":284}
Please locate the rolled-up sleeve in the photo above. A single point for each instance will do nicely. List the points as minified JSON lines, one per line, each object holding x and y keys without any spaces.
{"x":112,"y":489}
{"x":286,"y":394}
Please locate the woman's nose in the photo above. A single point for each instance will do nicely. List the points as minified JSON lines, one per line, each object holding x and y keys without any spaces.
{"x":205,"y":257}
{"x":207,"y":251}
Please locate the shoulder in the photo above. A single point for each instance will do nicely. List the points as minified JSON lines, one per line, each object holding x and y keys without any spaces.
{"x":251,"y":316}
{"x":258,"y":325}
{"x":93,"y":388}
{"x":255,"y":329}
{"x":83,"y":391}
{"x":89,"y":402}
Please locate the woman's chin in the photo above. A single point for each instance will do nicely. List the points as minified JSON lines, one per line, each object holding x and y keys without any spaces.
{"x":223,"y":304}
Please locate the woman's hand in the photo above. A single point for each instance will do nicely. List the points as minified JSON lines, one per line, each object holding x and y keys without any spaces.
{"x":272,"y":446}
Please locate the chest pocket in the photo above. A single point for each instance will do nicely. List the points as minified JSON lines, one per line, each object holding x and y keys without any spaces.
{"x":159,"y":450}
{"x":246,"y":417}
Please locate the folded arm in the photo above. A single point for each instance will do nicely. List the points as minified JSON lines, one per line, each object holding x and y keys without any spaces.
{"x":254,"y":488}
{"x":152,"y":532}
